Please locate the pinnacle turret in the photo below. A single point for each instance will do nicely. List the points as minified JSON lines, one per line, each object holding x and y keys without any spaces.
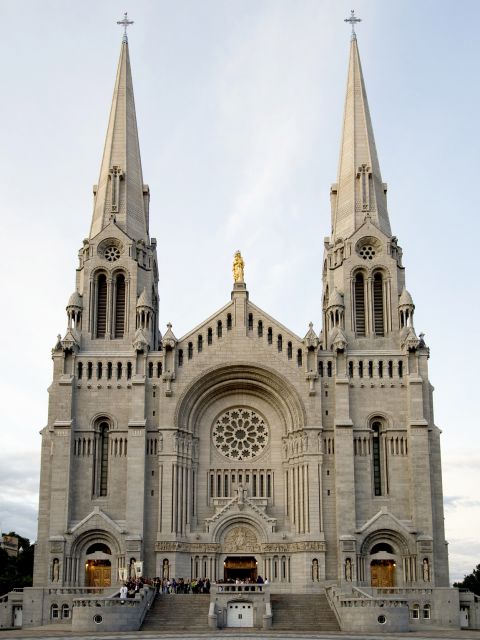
{"x":120,"y":194}
{"x":359,"y":192}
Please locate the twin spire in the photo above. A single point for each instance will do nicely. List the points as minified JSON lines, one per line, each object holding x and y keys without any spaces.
{"x":359,"y":191}
{"x":358,"y":194}
{"x":120,"y":194}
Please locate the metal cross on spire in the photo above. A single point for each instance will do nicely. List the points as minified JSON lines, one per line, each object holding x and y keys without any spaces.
{"x":125,"y":23}
{"x":352,"y":20}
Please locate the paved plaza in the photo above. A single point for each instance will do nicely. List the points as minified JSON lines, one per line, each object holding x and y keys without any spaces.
{"x":49,"y":632}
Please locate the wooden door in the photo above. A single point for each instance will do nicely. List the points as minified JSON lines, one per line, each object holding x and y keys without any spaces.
{"x":99,"y":573}
{"x":382,"y":574}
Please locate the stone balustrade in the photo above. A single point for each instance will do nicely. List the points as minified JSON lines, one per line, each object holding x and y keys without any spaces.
{"x":93,"y":613}
{"x":227,"y":587}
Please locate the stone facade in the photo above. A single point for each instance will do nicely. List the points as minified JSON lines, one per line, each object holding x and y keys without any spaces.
{"x":313,"y":461}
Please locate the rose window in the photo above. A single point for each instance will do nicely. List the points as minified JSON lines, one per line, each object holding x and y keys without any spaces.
{"x":367,"y":252}
{"x":240,"y":434}
{"x":111,"y":253}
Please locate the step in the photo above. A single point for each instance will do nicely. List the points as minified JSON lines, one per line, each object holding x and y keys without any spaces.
{"x":302,"y":612}
{"x":178,"y":612}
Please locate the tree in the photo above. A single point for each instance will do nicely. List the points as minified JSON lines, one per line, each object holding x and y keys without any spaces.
{"x":16,"y":571}
{"x":471,"y":582}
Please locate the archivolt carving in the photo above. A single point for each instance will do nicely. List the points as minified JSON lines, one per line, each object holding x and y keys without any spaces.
{"x":263,"y":381}
{"x":239,"y":540}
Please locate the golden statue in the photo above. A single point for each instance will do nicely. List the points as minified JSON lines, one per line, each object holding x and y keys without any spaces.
{"x":238,"y":266}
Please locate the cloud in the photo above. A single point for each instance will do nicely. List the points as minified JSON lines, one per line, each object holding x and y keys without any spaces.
{"x":19,"y":479}
{"x":456,"y":502}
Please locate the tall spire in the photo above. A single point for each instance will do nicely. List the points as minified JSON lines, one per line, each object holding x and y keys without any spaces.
{"x":359,"y":192}
{"x":120,"y":193}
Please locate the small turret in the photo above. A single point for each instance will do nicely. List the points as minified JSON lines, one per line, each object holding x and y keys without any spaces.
{"x":405,"y":309}
{"x":74,"y":311}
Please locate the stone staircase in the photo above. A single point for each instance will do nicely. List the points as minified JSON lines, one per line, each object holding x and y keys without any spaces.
{"x":302,"y":612}
{"x":178,"y":612}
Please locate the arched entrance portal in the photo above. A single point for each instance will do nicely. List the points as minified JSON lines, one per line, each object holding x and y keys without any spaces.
{"x":98,"y":573}
{"x":382,"y":573}
{"x":243,"y":568}
{"x":98,"y":567}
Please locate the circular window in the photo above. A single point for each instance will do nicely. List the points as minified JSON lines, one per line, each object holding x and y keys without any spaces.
{"x":368,"y":247}
{"x":110,"y":249}
{"x":97,"y":619}
{"x":382,"y":619}
{"x":112,"y":253}
{"x":367,"y":252}
{"x":240,"y":434}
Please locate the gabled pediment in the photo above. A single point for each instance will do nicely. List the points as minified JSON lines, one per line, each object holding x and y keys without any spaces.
{"x":385,"y":520}
{"x":211,"y":321}
{"x":97,"y":519}
{"x":111,"y":230}
{"x":257,"y":313}
{"x":241,"y":504}
{"x":368,"y":228}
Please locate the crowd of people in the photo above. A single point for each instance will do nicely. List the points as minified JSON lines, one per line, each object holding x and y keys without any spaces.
{"x":165,"y":586}
{"x":178,"y":585}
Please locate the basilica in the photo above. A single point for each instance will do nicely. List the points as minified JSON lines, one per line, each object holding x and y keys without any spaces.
{"x":241,"y":449}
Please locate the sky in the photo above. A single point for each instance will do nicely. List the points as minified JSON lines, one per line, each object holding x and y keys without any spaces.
{"x":239,"y":107}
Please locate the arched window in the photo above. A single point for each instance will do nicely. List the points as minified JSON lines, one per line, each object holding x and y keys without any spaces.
{"x":229,"y":321}
{"x":101,"y":306}
{"x":199,"y":343}
{"x":260,"y":328}
{"x":376,"y":458}
{"x":415,"y":612}
{"x":269,"y":335}
{"x":250,"y":321}
{"x":54,"y":612}
{"x":150,"y":369}
{"x":299,"y":358}
{"x":180,"y":357}
{"x":426,"y":611}
{"x":80,"y":370}
{"x":99,"y":546}
{"x":279,"y":342}
{"x":119,"y":315}
{"x":209,"y":335}
{"x":65,"y":612}
{"x":382,"y":546}
{"x":359,"y":305}
{"x":378,"y":311}
{"x":289,"y":350}
{"x":219,"y":329}
{"x":190,"y":350}
{"x":101,"y":480}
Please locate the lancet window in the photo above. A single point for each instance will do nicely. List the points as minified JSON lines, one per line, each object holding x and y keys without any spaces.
{"x":109,"y":304}
{"x":101,"y":458}
{"x":359,"y":304}
{"x":378,"y":306}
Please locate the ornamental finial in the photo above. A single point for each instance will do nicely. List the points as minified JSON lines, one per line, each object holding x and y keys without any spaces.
{"x":238,"y":267}
{"x":125,"y":23}
{"x":353,"y":20}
